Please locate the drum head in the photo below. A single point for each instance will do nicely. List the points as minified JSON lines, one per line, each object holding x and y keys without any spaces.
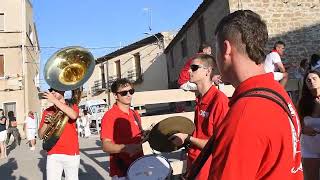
{"x":153,"y":167}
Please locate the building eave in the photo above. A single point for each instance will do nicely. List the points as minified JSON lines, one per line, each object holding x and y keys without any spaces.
{"x":131,"y":47}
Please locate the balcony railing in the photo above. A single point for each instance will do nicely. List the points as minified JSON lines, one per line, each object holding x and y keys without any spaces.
{"x":97,"y":86}
{"x":133,"y":76}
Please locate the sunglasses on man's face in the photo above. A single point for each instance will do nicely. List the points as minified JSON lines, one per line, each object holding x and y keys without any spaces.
{"x":195,"y":67}
{"x":124,"y":93}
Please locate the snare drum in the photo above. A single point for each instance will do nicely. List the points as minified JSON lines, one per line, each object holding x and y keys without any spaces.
{"x":150,"y":167}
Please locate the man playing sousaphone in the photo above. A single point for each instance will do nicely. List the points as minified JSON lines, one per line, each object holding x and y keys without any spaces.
{"x":121,"y":130}
{"x":64,"y":155}
{"x":67,"y":69}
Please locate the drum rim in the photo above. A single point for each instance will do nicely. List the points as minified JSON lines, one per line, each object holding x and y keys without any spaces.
{"x":145,"y":156}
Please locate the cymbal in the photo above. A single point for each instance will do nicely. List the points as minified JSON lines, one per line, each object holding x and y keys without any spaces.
{"x":159,"y":134}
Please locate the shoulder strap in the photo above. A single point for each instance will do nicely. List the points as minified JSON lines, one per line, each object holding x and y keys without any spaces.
{"x":137,"y":120}
{"x":267,"y":94}
{"x":210,"y":146}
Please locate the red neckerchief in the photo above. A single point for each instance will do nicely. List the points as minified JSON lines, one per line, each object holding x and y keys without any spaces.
{"x":274,"y":50}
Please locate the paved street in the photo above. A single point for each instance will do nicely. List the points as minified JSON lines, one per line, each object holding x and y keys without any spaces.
{"x":23,"y":164}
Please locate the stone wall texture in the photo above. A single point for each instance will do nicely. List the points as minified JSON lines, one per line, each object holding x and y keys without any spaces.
{"x":296,"y":22}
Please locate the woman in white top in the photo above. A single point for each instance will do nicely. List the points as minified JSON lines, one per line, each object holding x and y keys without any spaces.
{"x":309,"y":111}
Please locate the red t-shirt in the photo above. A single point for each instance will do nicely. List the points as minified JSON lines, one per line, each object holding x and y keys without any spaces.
{"x":184,"y":75}
{"x":120,"y":128}
{"x":210,"y":111}
{"x":255,"y":140}
{"x":68,"y":142}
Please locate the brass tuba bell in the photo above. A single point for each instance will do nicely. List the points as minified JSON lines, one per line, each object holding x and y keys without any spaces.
{"x":67,"y":69}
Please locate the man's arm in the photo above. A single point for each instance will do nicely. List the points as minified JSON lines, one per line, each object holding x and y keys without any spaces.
{"x":112,"y":148}
{"x":281,"y":67}
{"x":180,"y":138}
{"x":69,"y":111}
{"x":184,"y":76}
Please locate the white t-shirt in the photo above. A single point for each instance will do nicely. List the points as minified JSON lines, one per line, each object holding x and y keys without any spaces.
{"x":30,"y":123}
{"x":310,"y":145}
{"x":271,"y":59}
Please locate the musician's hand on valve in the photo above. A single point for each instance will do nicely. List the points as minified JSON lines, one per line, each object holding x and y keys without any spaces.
{"x":178,"y":138}
{"x":132,"y":149}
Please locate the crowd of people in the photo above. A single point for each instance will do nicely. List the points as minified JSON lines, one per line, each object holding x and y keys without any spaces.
{"x":8,"y":127}
{"x":256,"y":134}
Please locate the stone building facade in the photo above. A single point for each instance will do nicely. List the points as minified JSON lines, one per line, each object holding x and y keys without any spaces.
{"x":296,"y":22}
{"x":142,"y":62}
{"x":19,"y":59}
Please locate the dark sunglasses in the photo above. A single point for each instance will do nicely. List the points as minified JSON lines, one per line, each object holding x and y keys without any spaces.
{"x":124,"y":93}
{"x":195,"y":67}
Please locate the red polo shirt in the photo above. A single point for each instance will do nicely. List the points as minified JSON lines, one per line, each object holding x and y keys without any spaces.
{"x":210,"y":111}
{"x":256,"y":140}
{"x":120,"y":128}
{"x":68,"y":142}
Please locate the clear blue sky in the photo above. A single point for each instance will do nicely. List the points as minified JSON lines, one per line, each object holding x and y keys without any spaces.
{"x":104,"y":23}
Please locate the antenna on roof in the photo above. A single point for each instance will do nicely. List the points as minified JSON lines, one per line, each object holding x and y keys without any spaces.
{"x":148,"y":10}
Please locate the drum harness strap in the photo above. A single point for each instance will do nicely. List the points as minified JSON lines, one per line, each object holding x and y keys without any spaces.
{"x":210,"y":146}
{"x":144,"y":133}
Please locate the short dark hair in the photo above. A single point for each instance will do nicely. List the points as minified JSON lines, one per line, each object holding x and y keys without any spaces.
{"x":247,"y":31}
{"x":278,"y":43}
{"x":209,"y":61}
{"x":202,"y":46}
{"x":2,"y":112}
{"x":10,"y":114}
{"x":122,"y":82}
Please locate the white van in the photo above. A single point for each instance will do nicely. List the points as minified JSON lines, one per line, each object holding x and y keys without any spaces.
{"x":96,"y":109}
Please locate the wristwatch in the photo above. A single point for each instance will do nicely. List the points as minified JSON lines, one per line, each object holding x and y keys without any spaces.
{"x":187,"y":141}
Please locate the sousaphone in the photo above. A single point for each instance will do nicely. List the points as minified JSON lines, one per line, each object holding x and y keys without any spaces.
{"x":67,"y":69}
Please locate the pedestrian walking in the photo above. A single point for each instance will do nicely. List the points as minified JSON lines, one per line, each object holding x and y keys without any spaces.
{"x":30,"y":126}
{"x":3,"y":134}
{"x":13,"y":130}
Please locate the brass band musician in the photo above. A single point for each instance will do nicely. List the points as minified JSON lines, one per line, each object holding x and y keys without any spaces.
{"x":64,"y":155}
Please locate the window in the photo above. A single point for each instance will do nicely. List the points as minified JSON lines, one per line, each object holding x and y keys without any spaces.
{"x":103,"y":79}
{"x":1,"y":21}
{"x":137,"y":64}
{"x":184,"y":50}
{"x":11,"y":106}
{"x":118,"y":68}
{"x":36,"y":80}
{"x":30,"y":34}
{"x":1,"y":65}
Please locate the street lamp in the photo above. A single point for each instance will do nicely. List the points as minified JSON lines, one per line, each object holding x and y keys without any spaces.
{"x":160,"y":43}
